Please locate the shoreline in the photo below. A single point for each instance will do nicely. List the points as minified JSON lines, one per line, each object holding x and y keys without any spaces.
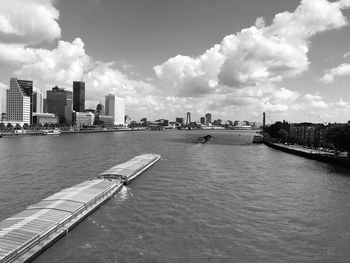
{"x":324,"y":157}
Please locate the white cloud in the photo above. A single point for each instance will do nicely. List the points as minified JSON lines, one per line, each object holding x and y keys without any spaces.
{"x":315,"y":101}
{"x":347,"y":55}
{"x":28,"y":22}
{"x":331,"y":74}
{"x":254,"y":56}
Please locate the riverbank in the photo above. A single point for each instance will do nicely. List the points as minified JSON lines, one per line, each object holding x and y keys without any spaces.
{"x":44,"y":132}
{"x":321,"y":156}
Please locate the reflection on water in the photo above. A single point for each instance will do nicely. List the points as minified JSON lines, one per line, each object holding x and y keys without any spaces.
{"x":223,"y":201}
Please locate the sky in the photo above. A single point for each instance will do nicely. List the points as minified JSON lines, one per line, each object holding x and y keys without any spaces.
{"x":234,"y":59}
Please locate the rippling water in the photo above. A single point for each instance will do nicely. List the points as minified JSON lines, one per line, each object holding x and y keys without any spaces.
{"x":224,"y":201}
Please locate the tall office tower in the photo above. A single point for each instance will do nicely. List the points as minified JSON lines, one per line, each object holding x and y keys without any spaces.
{"x":44,"y":106}
{"x":59,"y":102}
{"x":188,"y":118}
{"x":203,"y":120}
{"x":115,"y":107}
{"x":19,"y":101}
{"x":78,"y":96}
{"x":38,"y":103}
{"x":208,"y":118}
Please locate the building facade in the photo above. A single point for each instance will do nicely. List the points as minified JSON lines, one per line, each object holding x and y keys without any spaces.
{"x":208,"y":118}
{"x":107,"y":120}
{"x":38,"y":103}
{"x":19,"y":101}
{"x":59,"y":102}
{"x":44,"y":118}
{"x":83,"y":119}
{"x":115,"y":107}
{"x":78,"y":96}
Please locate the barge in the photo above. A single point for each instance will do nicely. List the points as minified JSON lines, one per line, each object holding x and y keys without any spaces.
{"x":26,"y":234}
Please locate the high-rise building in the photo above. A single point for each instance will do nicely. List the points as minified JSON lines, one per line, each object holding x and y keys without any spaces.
{"x":19,"y":101}
{"x":115,"y":107}
{"x":78,"y":96}
{"x":203,"y":120}
{"x":59,"y":102}
{"x":38,"y":103}
{"x":208,"y":118}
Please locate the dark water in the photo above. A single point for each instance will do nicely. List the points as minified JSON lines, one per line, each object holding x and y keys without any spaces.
{"x":224,"y":201}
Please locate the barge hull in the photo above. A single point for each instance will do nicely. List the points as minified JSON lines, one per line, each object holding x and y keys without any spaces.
{"x":28,"y":233}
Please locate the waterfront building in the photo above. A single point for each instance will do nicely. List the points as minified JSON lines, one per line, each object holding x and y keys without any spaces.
{"x":180,"y":120}
{"x":38,"y":101}
{"x":83,"y":118}
{"x":202,"y":121}
{"x":44,"y":118}
{"x":107,"y":120}
{"x":208,"y":118}
{"x":115,"y":107}
{"x":59,"y":102}
{"x":44,"y":105}
{"x":19,"y":101}
{"x":78,"y":96}
{"x":237,"y":123}
{"x":217,"y":122}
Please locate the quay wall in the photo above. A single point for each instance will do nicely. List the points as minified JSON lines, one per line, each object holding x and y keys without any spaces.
{"x":318,"y":156}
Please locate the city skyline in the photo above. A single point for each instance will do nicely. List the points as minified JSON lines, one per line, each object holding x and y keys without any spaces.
{"x":290,"y":59}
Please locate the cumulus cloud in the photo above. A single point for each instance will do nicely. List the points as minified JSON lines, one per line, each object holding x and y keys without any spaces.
{"x":28,"y":22}
{"x":257,"y":55}
{"x":316,"y":101}
{"x":331,"y":74}
{"x":64,"y":64}
{"x":246,"y":68}
{"x":347,"y":55}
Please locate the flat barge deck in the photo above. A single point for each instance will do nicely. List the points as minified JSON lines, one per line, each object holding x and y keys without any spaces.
{"x":26,"y":234}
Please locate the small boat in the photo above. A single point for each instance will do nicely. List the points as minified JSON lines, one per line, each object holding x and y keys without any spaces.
{"x":204,"y":139}
{"x":53,"y":132}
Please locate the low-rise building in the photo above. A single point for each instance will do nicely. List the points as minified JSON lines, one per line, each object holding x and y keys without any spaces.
{"x":45,"y":118}
{"x":106,"y":119}
{"x":83,"y":119}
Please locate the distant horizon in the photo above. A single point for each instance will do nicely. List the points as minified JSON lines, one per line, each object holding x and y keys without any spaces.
{"x":289,"y":58}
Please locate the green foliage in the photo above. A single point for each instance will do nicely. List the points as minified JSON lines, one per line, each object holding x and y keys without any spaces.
{"x":339,"y":136}
{"x":279,"y":130}
{"x":2,"y":126}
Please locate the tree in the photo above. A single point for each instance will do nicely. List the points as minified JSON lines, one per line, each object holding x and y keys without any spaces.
{"x":25,"y":126}
{"x":2,"y":126}
{"x":9,"y":125}
{"x":18,"y":126}
{"x":339,"y":136}
{"x":282,"y":134}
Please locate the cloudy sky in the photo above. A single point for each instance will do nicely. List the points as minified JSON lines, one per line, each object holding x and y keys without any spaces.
{"x":232,"y":58}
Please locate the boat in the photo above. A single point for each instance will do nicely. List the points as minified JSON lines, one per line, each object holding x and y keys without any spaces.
{"x":204,"y":139}
{"x":26,"y":234}
{"x":52,"y":132}
{"x":124,"y":171}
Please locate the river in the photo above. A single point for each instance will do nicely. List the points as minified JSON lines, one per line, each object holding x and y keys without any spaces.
{"x":224,"y":201}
